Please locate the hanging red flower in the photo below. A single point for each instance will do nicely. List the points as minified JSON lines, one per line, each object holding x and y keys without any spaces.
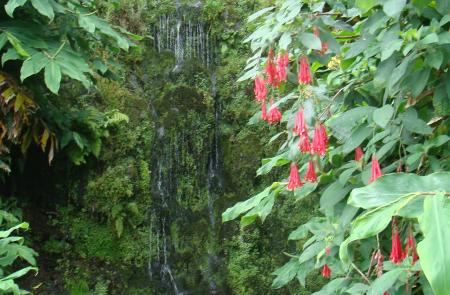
{"x":271,"y":69}
{"x":304,"y":145}
{"x":263,"y":111}
{"x":396,"y":248}
{"x":274,"y":115}
{"x":260,"y":89}
{"x":324,"y":44}
{"x":282,"y":64}
{"x":299,"y":125}
{"x":326,"y":271}
{"x":327,"y":251}
{"x":358,"y":154}
{"x":294,"y":178}
{"x":411,"y":247}
{"x":320,"y":140}
{"x":400,"y":166}
{"x":376,"y":170}
{"x":304,"y":73}
{"x":310,"y":173}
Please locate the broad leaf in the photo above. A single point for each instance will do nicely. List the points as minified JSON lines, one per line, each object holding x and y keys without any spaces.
{"x":433,"y":250}
{"x":53,"y":76}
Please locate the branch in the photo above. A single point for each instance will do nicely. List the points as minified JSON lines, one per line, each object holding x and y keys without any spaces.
{"x":361,"y":273}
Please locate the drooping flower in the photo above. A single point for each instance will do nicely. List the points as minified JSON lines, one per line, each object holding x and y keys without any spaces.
{"x":271,"y":69}
{"x":274,"y":115}
{"x":411,"y":247}
{"x":327,"y":251}
{"x":263,"y":111}
{"x":300,"y":126}
{"x":376,"y":170}
{"x":326,"y":271}
{"x":260,"y":89}
{"x":294,"y":178}
{"x":282,"y":63}
{"x":310,"y":173}
{"x":399,"y":167}
{"x":324,"y":44}
{"x":358,"y":154}
{"x":396,"y":248}
{"x":304,"y":73}
{"x":304,"y":145}
{"x":320,"y":140}
{"x":380,"y":260}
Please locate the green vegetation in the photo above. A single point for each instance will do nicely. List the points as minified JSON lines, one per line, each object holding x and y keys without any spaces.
{"x":122,"y":144}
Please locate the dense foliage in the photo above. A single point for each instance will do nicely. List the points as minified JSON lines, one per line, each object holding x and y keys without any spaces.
{"x":368,"y":82}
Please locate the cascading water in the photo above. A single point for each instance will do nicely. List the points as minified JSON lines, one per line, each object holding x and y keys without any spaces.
{"x":185,"y":36}
{"x":189,"y":40}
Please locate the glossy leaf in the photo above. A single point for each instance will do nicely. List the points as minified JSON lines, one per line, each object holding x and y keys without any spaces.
{"x":433,"y":250}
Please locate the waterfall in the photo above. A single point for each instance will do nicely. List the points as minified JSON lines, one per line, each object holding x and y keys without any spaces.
{"x":214,"y":185}
{"x":184,"y":35}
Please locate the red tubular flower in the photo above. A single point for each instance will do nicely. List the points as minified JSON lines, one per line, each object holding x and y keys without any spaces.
{"x":411,"y":247}
{"x":304,"y":73}
{"x":304,"y":145}
{"x":326,"y":271}
{"x":260,"y":89}
{"x":380,"y":259}
{"x":263,"y":111}
{"x":271,"y":69}
{"x":376,"y":170}
{"x":294,"y":178}
{"x":327,"y":251}
{"x":300,"y":126}
{"x":274,"y":114}
{"x":396,"y":248}
{"x":282,"y":63}
{"x":358,"y":154}
{"x":324,"y":44}
{"x":320,"y":140}
{"x":310,"y":173}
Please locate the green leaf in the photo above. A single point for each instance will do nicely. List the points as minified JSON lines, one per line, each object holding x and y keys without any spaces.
{"x":441,"y":101}
{"x":311,"y":41}
{"x":285,"y":40}
{"x":366,"y":5}
{"x":12,"y":5}
{"x":286,"y":273}
{"x":357,"y":47}
{"x":33,"y":65}
{"x":393,"y":8}
{"x":343,"y":124}
{"x":443,"y":6}
{"x":412,"y":123}
{"x":268,"y":164}
{"x":300,"y":233}
{"x":259,"y":13}
{"x":243,"y":207}
{"x":17,"y":45}
{"x":3,"y":40}
{"x":52,"y":76}
{"x":11,"y":54}
{"x":434,"y":59}
{"x":430,"y":39}
{"x":44,"y":8}
{"x":391,"y":187}
{"x":357,"y":137}
{"x":305,"y":190}
{"x":434,"y":248}
{"x":384,"y":71}
{"x":383,"y":115}
{"x":385,"y":282}
{"x":333,"y":194}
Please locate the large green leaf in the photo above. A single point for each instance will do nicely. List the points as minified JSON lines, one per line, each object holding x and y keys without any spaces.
{"x":386,"y":281}
{"x":311,"y":41}
{"x":382,"y":115}
{"x":268,"y":164}
{"x":44,"y":8}
{"x":357,"y":137}
{"x":435,"y":248}
{"x":391,"y":187}
{"x":12,"y":5}
{"x":53,"y":76}
{"x":393,"y":8}
{"x":33,"y":65}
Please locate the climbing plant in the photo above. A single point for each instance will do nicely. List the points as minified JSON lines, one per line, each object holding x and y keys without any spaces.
{"x":359,"y":91}
{"x":51,"y":42}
